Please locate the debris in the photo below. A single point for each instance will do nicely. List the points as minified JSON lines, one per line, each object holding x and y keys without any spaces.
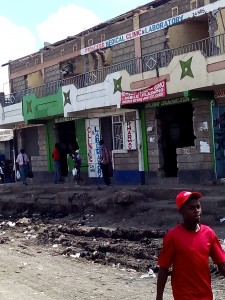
{"x":23,"y":221}
{"x":222,"y":220}
{"x":11,"y":224}
{"x":150,"y":274}
{"x":77,"y":255}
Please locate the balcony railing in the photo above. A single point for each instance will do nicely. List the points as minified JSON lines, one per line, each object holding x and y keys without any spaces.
{"x":209,"y":47}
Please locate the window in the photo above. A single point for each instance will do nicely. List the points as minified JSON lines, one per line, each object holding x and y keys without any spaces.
{"x":102,"y":37}
{"x":90,"y":42}
{"x":175,"y":11}
{"x":62,"y":52}
{"x":194,"y":4}
{"x":75,"y":47}
{"x":117,"y":127}
{"x":36,"y":61}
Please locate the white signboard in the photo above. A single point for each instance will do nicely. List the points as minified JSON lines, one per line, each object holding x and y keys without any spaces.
{"x":130,"y":135}
{"x":154,"y":27}
{"x":93,"y":147}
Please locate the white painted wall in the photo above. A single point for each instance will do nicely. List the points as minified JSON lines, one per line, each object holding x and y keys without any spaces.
{"x":11,"y":115}
{"x":94,"y":96}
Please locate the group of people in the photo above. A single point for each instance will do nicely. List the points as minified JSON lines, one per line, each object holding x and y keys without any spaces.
{"x":75,"y":156}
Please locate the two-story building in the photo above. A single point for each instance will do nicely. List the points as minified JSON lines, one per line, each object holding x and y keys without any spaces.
{"x":149,"y":82}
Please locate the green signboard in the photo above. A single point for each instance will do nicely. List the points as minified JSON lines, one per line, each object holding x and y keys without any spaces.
{"x":170,"y":102}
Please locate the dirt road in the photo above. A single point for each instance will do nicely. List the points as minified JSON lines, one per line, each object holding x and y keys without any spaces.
{"x":33,"y":273}
{"x":99,"y":250}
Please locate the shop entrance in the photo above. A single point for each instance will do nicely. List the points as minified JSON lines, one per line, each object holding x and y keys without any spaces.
{"x":106,"y":131}
{"x":175,"y":130}
{"x":66,"y":137}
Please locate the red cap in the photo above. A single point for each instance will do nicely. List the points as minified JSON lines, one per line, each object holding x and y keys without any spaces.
{"x":183,"y":196}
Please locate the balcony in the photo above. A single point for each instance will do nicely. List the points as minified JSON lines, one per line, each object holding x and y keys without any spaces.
{"x":212,"y":46}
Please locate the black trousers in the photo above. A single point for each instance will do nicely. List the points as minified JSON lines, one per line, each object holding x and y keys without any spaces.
{"x":105,"y":173}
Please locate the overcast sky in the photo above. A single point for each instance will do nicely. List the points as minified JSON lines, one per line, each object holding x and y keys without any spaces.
{"x":25,"y":25}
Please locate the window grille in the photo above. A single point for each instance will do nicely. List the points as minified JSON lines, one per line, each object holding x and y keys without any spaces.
{"x":175,"y":11}
{"x":118,"y":140}
{"x":194,"y":4}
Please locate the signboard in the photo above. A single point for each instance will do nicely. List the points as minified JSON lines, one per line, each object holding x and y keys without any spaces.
{"x":219,"y":93}
{"x":93,"y":147}
{"x":154,"y":27}
{"x":65,"y":119}
{"x":170,"y":102}
{"x":130,"y":135}
{"x":154,"y":92}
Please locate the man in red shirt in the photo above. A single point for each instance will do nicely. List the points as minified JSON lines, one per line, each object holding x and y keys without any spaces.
{"x":57,"y":163}
{"x":187,"y":248}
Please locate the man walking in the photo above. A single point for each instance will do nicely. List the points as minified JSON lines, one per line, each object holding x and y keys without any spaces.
{"x":187,"y":248}
{"x":22,"y":160}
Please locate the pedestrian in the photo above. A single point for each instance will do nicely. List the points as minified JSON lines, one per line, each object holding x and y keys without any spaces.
{"x":77,"y":165}
{"x":56,"y":155}
{"x":105,"y":162}
{"x":187,"y":248}
{"x":23,"y":160}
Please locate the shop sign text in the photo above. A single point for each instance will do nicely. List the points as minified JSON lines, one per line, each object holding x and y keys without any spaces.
{"x":154,"y":92}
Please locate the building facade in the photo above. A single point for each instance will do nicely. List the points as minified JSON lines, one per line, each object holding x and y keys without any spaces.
{"x":149,"y":82}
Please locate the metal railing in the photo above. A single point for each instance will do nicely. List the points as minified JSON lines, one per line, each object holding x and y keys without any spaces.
{"x":209,"y":47}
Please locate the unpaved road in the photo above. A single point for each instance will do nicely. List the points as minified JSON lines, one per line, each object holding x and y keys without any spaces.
{"x":31,"y":271}
{"x":30,"y":274}
{"x":39,"y":242}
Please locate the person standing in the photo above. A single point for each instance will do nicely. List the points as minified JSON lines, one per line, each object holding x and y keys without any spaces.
{"x":105,"y":161}
{"x":57,"y":163}
{"x":187,"y":248}
{"x":77,"y":165}
{"x":23,"y":160}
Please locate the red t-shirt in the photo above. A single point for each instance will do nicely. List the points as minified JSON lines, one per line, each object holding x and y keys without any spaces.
{"x":188,"y":252}
{"x":56,"y":154}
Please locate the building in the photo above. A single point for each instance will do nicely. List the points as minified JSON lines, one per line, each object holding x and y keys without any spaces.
{"x":149,"y":82}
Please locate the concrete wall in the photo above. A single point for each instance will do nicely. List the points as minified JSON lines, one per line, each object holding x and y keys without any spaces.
{"x":152,"y":140}
{"x":196,"y":163}
{"x":126,"y":161}
{"x":39,"y":162}
{"x":11,"y":115}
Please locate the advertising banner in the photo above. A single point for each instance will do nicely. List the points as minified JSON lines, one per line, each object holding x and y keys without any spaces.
{"x":154,"y":92}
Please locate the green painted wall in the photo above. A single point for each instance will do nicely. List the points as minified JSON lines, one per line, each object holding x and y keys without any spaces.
{"x":81,"y":140}
{"x":37,"y":108}
{"x":144,"y":140}
{"x":50,"y":143}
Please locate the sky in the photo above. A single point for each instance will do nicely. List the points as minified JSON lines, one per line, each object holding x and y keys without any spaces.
{"x":25,"y":25}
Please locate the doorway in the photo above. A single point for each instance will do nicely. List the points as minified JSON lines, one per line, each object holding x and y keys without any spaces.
{"x":66,"y":132}
{"x":106,"y":131}
{"x":175,"y":130}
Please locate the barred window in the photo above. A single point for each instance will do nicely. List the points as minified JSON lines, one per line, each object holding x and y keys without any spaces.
{"x":118,"y":140}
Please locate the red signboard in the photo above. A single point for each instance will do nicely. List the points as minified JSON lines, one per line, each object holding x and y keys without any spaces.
{"x":154,"y":92}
